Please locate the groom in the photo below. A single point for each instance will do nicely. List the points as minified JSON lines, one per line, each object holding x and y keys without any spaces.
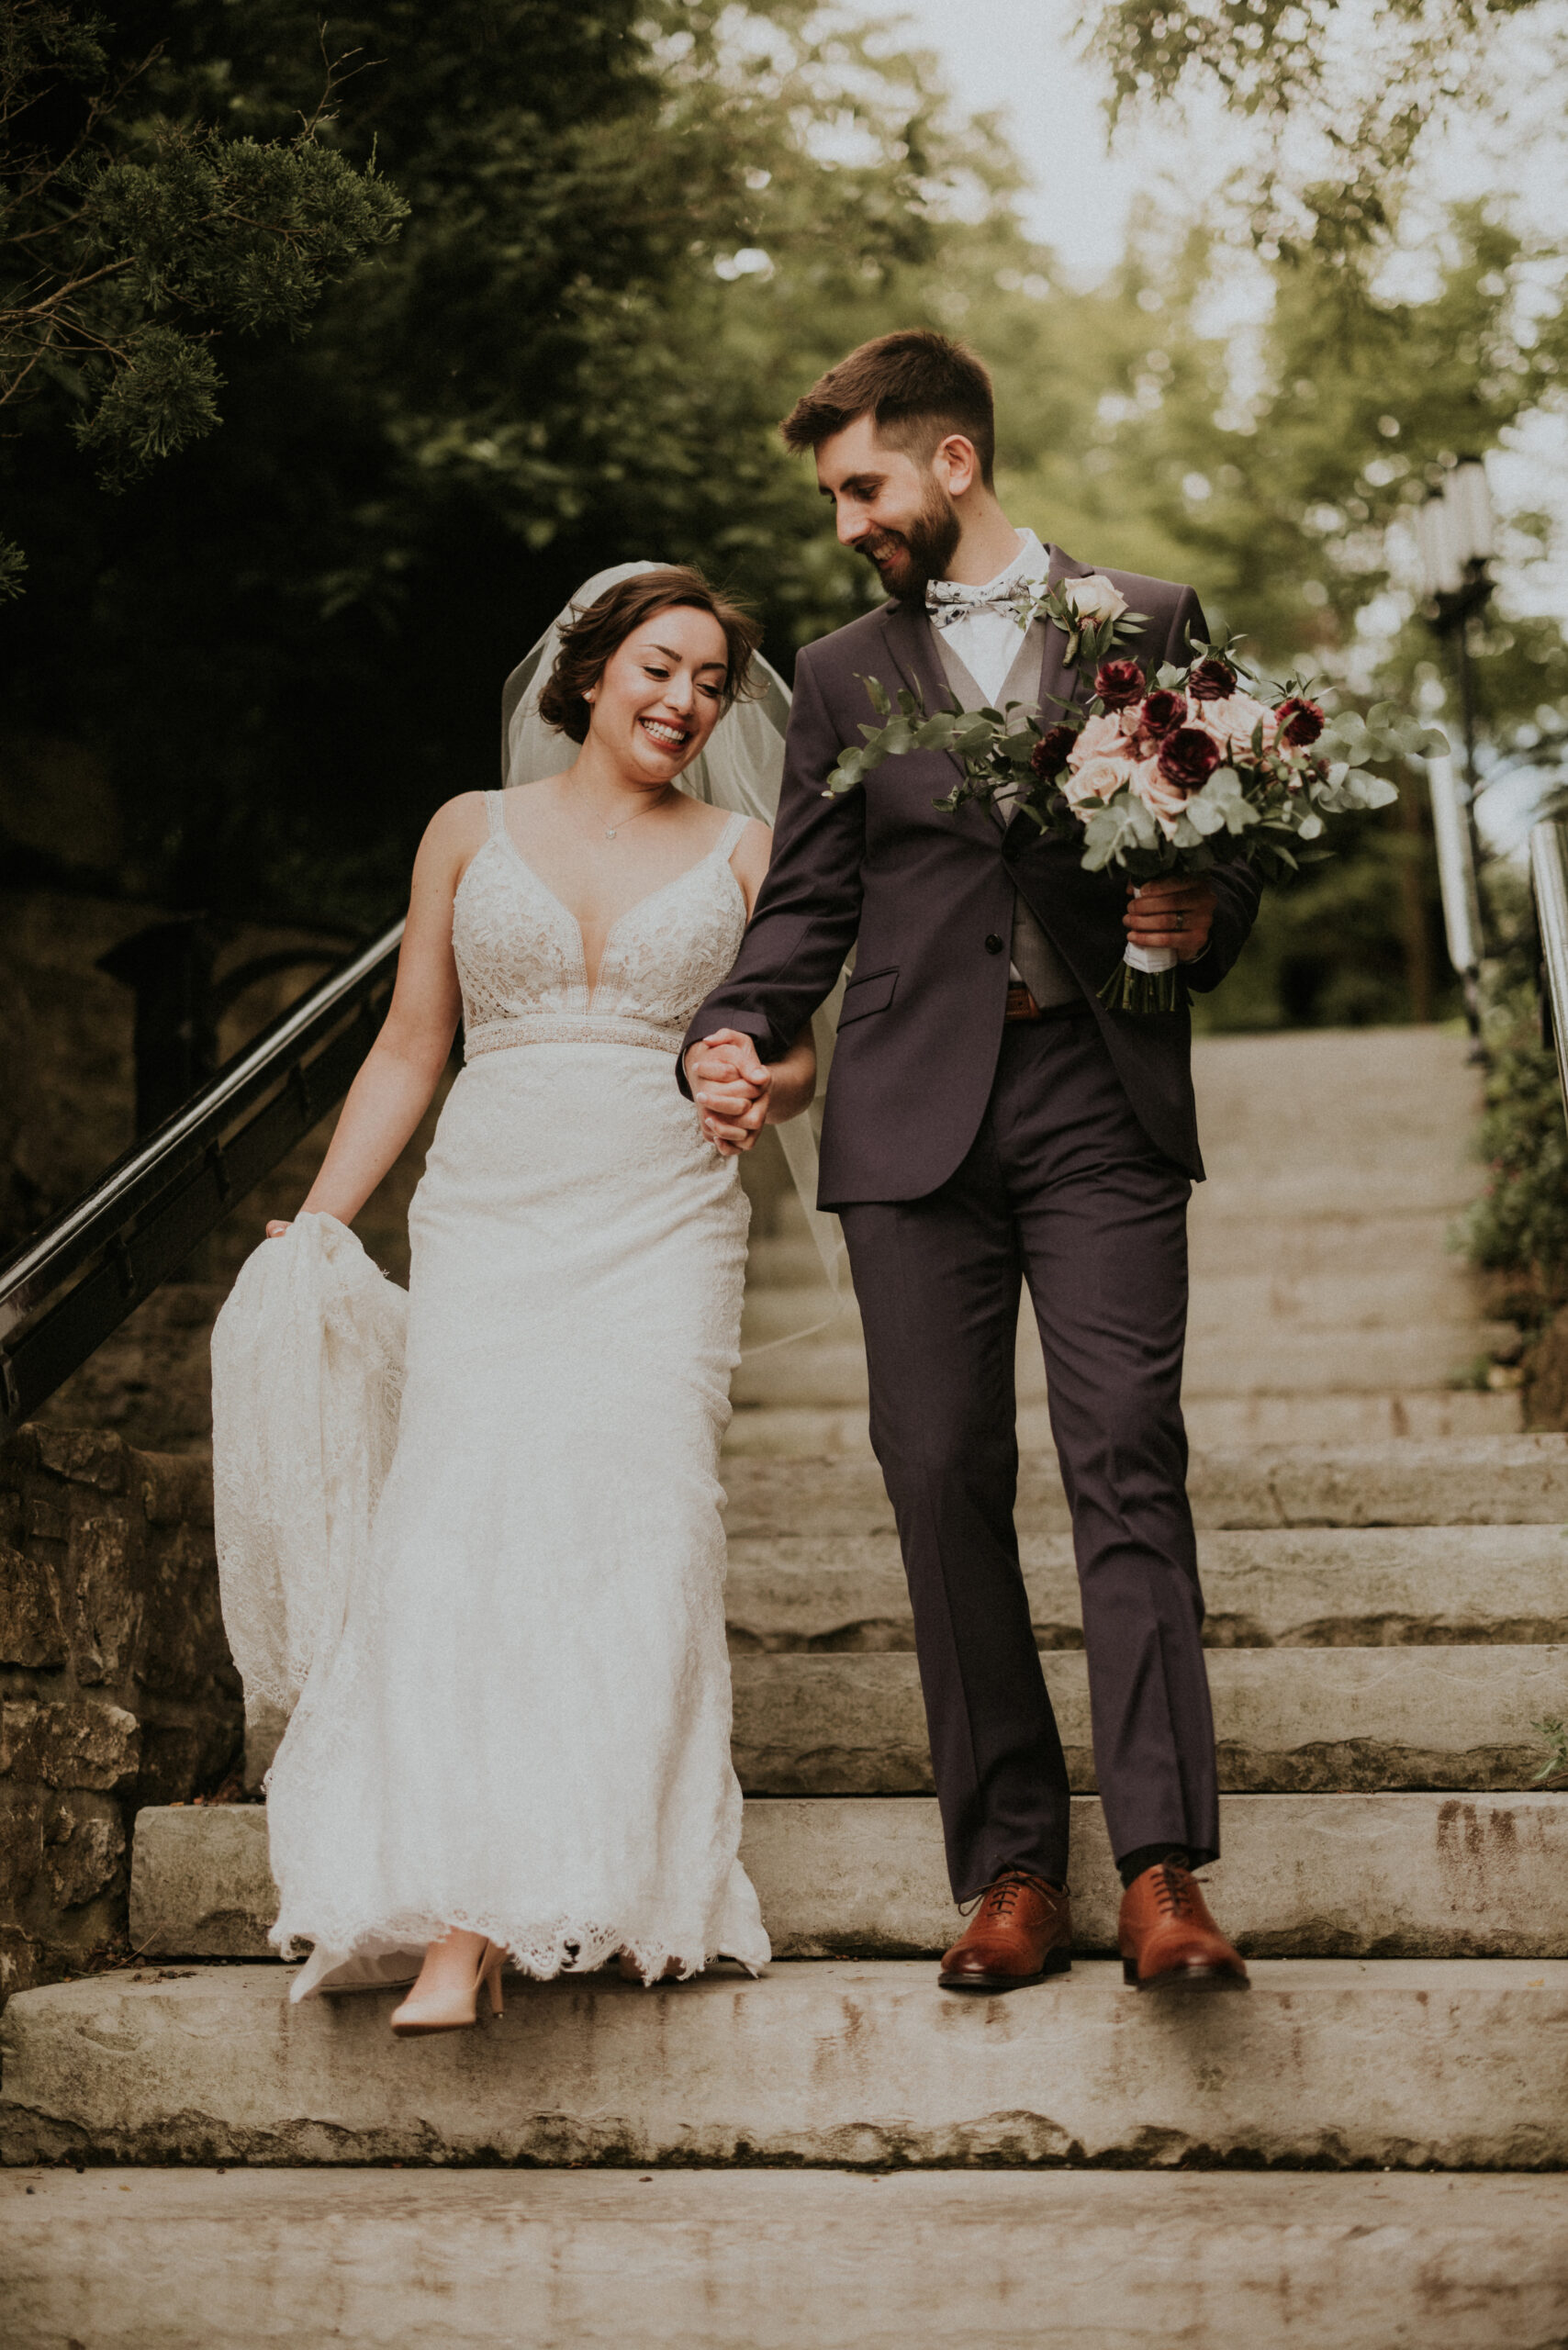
{"x":988,"y":1123}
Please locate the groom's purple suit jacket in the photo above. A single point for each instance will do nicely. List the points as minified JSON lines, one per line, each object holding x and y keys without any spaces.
{"x":926,"y":900}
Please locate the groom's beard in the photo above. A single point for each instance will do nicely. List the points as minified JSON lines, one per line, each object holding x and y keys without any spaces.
{"x":908,"y":560}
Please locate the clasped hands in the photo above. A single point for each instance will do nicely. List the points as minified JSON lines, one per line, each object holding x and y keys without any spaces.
{"x":732,"y":1088}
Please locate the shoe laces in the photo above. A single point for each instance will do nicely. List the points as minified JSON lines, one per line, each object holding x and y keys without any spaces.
{"x":997,"y":1900}
{"x":1174,"y":1890}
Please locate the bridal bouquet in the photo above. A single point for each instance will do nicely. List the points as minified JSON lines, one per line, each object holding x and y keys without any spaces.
{"x":1203,"y":765}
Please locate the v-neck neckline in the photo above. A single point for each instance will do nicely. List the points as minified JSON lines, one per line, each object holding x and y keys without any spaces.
{"x":591,"y":987}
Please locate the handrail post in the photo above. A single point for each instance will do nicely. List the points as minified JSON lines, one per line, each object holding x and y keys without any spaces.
{"x":1456,"y":880}
{"x":1549,"y":881}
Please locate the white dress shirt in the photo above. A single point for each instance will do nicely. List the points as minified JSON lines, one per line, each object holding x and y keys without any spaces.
{"x":981,"y":623}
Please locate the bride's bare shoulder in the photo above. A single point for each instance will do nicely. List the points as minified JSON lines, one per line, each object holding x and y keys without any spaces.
{"x":454,"y":834}
{"x":459,"y":825}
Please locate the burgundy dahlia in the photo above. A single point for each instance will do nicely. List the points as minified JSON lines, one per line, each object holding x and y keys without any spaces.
{"x":1212,"y":680}
{"x":1188,"y":757}
{"x":1119,"y":683}
{"x":1163,"y":709}
{"x":1049,"y":754}
{"x":1300,"y":721}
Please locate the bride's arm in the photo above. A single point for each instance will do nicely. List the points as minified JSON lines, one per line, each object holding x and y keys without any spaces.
{"x":737,"y":1093}
{"x":393,"y":1090}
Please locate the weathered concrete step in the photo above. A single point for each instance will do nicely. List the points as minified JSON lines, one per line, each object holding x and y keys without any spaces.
{"x":1251,"y":1360}
{"x":1303,"y":1876}
{"x":1406,"y":2063}
{"x":1430,"y":1416}
{"x":1487,"y":1481}
{"x":776,"y":2260}
{"x":1290,"y":1721}
{"x":1337,"y":1244}
{"x":1267,"y":1303}
{"x":1317,"y":1587}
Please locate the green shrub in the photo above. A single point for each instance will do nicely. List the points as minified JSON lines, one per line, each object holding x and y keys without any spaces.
{"x":1519,"y":1226}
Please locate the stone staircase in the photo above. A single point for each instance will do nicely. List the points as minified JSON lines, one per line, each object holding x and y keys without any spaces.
{"x":1368,"y":2151}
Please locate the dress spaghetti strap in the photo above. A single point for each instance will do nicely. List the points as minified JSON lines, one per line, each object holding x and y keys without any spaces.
{"x":728,"y":838}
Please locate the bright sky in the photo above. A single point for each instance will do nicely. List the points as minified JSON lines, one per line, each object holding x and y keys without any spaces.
{"x":993,"y":50}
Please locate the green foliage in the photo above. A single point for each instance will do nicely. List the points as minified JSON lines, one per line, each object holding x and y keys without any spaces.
{"x":1519,"y":1227}
{"x":1553,"y":1735}
{"x":131,"y":237}
{"x":1341,"y":99}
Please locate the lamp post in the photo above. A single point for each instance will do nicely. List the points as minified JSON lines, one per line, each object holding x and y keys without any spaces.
{"x":1455,"y":537}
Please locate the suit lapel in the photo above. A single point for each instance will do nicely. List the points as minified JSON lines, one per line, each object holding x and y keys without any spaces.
{"x":908,"y":637}
{"x":1059,"y":682}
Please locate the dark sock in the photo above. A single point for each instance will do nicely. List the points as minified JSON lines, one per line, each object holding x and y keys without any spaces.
{"x":1148,"y":1856}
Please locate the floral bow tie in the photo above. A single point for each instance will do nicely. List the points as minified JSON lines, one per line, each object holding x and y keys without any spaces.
{"x":947,"y":603}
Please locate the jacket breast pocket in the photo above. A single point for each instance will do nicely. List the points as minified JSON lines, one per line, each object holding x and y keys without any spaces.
{"x":872,"y":991}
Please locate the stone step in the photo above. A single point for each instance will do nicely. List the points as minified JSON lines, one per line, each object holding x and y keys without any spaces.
{"x":1222,"y":1246}
{"x":1499,"y":1481}
{"x":1303,"y":1876}
{"x":1289,"y":1721}
{"x":1314,"y":1587}
{"x":1214,"y":1421}
{"x":1240,"y":1364}
{"x":1405,"y":2063}
{"x":1434,"y":1296}
{"x":777,"y":2260}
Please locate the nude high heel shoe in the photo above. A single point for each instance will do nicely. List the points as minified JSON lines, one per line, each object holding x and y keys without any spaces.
{"x":414,"y":2018}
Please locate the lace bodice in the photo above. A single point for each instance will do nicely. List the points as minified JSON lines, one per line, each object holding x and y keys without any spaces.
{"x":524,"y":972}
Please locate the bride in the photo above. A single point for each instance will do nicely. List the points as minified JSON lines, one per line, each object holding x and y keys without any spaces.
{"x":511,"y":1735}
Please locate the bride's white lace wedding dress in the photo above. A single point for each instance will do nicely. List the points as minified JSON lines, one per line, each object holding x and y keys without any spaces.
{"x":515,"y":1712}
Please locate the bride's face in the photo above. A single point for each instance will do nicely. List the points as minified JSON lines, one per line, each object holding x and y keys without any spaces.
{"x":661,"y":695}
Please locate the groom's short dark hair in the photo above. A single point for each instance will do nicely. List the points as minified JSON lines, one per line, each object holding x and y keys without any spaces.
{"x":917,"y":386}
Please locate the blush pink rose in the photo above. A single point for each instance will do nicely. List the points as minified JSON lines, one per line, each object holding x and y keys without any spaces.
{"x":1099,"y":778}
{"x":1103,"y":736}
{"x":1164,"y":801}
{"x":1231,"y":721}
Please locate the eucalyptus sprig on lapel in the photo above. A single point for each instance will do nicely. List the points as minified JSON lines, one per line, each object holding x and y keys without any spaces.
{"x":995,"y":747}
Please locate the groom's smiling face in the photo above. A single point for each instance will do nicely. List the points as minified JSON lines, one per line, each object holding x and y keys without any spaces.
{"x":891,"y":506}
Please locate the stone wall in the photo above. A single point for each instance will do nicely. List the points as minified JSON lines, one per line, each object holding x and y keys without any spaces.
{"x":116,"y":1683}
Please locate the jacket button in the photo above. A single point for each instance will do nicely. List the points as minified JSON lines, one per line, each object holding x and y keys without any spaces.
{"x":994,"y":944}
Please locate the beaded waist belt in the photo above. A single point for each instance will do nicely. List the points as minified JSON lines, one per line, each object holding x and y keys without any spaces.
{"x":565,"y":1028}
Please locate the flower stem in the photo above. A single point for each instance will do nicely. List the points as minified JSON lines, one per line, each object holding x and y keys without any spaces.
{"x":1130,"y":990}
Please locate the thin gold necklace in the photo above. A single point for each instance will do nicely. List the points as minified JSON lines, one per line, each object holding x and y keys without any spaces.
{"x":610,"y":830}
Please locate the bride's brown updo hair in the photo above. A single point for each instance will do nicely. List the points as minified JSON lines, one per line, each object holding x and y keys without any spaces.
{"x":588,"y":641}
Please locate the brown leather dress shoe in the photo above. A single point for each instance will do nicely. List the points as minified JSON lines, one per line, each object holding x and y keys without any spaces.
{"x":1166,"y":1935}
{"x":1021,"y":1931}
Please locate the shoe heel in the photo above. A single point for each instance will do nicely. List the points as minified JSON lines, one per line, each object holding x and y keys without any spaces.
{"x":493,"y":1979}
{"x":1129,"y":1972}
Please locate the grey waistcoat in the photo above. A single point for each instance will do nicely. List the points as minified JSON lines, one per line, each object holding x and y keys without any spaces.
{"x":1034,"y":959}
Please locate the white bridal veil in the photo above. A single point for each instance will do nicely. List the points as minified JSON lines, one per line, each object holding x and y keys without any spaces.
{"x":741,"y":770}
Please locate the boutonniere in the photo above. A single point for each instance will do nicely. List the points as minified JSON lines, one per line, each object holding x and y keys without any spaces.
{"x":1092,"y":613}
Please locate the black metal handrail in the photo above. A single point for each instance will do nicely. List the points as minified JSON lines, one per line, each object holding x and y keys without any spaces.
{"x":147,"y":1213}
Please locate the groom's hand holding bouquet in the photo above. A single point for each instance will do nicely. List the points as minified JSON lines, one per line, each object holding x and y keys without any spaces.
{"x":1164,"y":778}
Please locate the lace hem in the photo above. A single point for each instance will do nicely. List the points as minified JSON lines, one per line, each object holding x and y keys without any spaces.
{"x":367,"y":1959}
{"x":564,"y":1028}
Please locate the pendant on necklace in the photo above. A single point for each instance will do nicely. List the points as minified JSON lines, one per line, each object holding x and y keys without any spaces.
{"x":610,"y":832}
